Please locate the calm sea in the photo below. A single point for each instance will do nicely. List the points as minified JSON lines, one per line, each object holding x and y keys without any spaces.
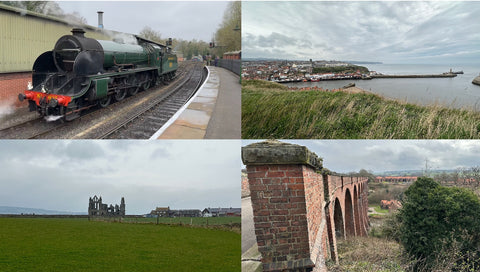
{"x":457,"y":92}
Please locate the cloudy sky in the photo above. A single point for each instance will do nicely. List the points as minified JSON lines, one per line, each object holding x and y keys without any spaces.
{"x":62,"y":175}
{"x":385,"y":31}
{"x":345,"y":156}
{"x":185,"y":20}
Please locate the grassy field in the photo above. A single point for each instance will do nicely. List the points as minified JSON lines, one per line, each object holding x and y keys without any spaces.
{"x":270,"y":110}
{"x":379,"y":210}
{"x":365,"y":254}
{"x":196,"y":221}
{"x":31,"y":244}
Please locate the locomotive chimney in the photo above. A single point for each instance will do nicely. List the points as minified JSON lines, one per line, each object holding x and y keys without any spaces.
{"x":100,"y":19}
{"x":79,"y":32}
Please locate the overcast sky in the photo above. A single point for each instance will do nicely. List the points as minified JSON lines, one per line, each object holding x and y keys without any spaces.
{"x":62,"y":175}
{"x":185,"y":20}
{"x":345,"y":156}
{"x":385,"y":31}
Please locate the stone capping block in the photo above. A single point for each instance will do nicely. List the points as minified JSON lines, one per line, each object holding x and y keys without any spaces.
{"x":275,"y":152}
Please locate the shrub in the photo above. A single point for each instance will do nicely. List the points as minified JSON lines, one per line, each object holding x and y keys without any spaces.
{"x":437,"y":221}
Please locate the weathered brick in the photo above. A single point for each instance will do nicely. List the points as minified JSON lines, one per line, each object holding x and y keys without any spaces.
{"x":275,"y":174}
{"x":279,"y":200}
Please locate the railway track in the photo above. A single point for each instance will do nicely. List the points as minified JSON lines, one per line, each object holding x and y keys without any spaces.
{"x":150,"y":118}
{"x":29,"y":129}
{"x":42,"y":129}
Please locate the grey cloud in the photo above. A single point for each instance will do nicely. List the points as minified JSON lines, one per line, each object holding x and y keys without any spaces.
{"x":160,"y":153}
{"x":275,"y":39}
{"x":177,"y":19}
{"x":380,"y":155}
{"x":83,"y":150}
{"x":393,"y":31}
{"x":61,"y":175}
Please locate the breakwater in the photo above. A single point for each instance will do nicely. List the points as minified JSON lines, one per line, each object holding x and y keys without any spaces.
{"x":416,"y":76}
{"x":359,"y":77}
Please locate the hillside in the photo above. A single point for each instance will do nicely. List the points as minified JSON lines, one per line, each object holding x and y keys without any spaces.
{"x":341,"y":69}
{"x":270,"y":110}
{"x":20,"y":210}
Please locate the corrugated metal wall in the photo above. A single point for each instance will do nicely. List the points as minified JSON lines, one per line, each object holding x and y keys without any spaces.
{"x":24,"y":37}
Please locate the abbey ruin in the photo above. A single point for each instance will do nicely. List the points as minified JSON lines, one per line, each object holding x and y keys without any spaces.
{"x":97,"y":208}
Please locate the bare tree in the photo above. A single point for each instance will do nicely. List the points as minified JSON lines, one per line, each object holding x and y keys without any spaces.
{"x":475,"y":173}
{"x":150,"y":34}
{"x":48,"y":8}
{"x":228,"y":36}
{"x":455,"y":176}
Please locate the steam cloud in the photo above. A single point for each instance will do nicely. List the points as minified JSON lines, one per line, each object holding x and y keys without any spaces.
{"x":6,"y":108}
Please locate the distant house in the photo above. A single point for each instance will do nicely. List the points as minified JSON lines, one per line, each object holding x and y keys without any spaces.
{"x":161,"y":212}
{"x":221,"y":212}
{"x":233,"y":55}
{"x":396,"y":179}
{"x":390,"y":205}
{"x":166,"y":212}
{"x":185,"y":213}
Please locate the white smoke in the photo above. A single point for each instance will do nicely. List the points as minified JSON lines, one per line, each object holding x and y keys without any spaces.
{"x":6,"y":108}
{"x":52,"y":118}
{"x":121,"y":37}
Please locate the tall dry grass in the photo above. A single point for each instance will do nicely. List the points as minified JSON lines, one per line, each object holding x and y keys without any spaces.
{"x":364,"y":254}
{"x":270,"y":110}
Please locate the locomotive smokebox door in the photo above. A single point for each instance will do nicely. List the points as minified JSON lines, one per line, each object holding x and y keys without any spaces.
{"x":88,"y":63}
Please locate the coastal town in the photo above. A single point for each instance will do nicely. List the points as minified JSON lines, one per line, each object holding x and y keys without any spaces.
{"x":301,"y":71}
{"x":284,"y":71}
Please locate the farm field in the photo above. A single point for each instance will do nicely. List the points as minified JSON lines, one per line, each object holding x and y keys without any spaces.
{"x":196,"y":221}
{"x":47,"y":244}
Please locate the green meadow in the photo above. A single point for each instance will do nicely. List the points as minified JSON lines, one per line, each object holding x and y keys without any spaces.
{"x":47,"y":244}
{"x":195,"y":221}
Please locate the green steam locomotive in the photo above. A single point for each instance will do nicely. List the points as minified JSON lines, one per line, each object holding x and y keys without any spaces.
{"x":81,"y":72}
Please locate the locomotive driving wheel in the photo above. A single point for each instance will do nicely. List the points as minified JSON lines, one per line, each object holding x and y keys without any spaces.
{"x":146,"y":83}
{"x":134,"y":83}
{"x":120,"y":94}
{"x":104,"y":102}
{"x":121,"y":91}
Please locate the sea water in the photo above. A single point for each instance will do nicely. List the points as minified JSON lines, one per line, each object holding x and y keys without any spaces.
{"x":457,"y":92}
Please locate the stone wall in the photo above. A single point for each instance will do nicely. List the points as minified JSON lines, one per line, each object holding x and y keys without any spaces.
{"x":298,"y":211}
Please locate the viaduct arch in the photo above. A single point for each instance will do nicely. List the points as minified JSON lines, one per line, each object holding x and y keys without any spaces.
{"x":300,"y":211}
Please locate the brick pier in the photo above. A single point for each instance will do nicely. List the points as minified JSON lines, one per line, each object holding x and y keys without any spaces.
{"x":299,"y":210}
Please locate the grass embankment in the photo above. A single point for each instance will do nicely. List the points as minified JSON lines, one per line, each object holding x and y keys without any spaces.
{"x":31,"y":244}
{"x":270,"y":110}
{"x":341,"y":69}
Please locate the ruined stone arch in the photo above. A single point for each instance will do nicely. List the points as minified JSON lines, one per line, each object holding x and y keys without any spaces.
{"x":338,"y":220}
{"x":349,"y":218}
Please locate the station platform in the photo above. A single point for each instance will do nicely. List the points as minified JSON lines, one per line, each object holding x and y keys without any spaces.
{"x":213,"y":113}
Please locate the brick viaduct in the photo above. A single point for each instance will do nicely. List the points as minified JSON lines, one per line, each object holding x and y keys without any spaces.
{"x":299,"y":210}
